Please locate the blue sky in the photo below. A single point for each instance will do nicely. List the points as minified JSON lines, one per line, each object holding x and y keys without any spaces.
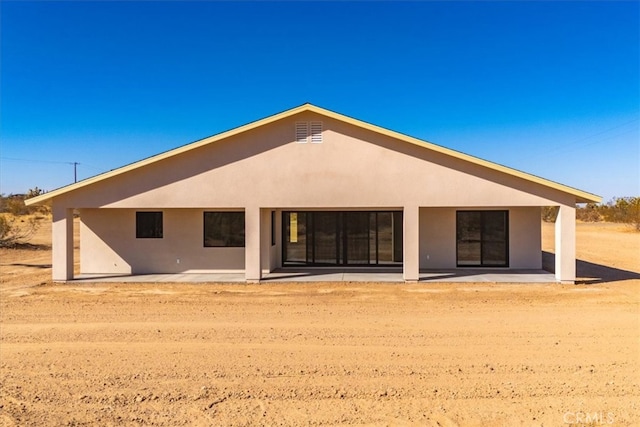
{"x":551,"y":88}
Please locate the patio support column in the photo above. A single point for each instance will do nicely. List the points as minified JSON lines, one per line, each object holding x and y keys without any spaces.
{"x":62,"y":243}
{"x":565,"y":231}
{"x":411,"y":244}
{"x":252,"y":256}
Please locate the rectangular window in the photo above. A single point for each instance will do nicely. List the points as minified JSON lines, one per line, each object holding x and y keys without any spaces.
{"x":482,"y":238}
{"x":273,"y":228}
{"x":148,"y":225}
{"x":224,"y":229}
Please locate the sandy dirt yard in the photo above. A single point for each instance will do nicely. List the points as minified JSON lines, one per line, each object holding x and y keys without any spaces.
{"x":324,"y":353}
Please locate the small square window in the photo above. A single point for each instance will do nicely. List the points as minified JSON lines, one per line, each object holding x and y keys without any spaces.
{"x":149,"y":225}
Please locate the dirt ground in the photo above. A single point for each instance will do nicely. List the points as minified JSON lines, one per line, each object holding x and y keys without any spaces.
{"x":325,"y":353}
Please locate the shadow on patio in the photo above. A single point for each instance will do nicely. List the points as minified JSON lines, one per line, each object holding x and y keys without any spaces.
{"x":589,"y":273}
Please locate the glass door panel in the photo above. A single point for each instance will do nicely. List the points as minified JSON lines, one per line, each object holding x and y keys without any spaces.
{"x":325,"y":238}
{"x":494,"y":238}
{"x":356,"y":229}
{"x":385,"y":237}
{"x":295,"y":237}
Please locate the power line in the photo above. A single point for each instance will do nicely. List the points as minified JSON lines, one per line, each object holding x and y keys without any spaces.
{"x":74,"y":164}
{"x":53,"y":161}
{"x":604,"y":131}
{"x":572,"y":145}
{"x":36,"y":161}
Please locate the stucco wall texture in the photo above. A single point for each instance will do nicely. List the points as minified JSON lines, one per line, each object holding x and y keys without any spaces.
{"x":352,"y":167}
{"x":109,"y":246}
{"x":265,"y":168}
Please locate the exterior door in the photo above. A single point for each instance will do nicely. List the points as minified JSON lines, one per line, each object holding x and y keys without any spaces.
{"x":356,"y":229}
{"x":333,"y":238}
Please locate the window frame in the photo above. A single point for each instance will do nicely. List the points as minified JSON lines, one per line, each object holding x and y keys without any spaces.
{"x":156,"y":231}
{"x":229,"y":241}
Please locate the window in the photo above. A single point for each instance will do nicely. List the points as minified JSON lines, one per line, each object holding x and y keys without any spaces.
{"x":309,"y":131}
{"x":273,"y":228}
{"x":224,"y":229}
{"x":482,"y":238}
{"x":149,"y":225}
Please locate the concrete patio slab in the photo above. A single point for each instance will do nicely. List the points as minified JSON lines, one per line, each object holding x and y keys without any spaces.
{"x":162,"y":278}
{"x":334,"y":275}
{"x":487,"y":275}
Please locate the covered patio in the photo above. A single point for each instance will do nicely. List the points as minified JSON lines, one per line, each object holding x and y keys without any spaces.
{"x":222,"y":210}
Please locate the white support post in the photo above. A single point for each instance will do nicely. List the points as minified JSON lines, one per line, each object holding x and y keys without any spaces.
{"x":565,"y":231}
{"x":265,"y":240}
{"x":62,"y":243}
{"x":411,"y":244}
{"x":252,"y":259}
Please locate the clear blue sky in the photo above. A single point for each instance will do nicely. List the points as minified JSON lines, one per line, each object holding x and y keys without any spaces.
{"x":551,"y":88}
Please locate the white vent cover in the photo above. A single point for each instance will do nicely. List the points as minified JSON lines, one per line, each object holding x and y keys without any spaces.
{"x":316,"y":132}
{"x":302,"y":132}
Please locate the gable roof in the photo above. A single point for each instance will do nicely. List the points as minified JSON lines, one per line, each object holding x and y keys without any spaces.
{"x":581,"y":196}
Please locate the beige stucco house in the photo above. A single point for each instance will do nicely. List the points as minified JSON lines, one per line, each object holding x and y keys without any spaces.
{"x":310,"y":187}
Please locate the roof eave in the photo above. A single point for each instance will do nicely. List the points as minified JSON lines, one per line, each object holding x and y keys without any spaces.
{"x":158,"y":157}
{"x":581,"y":196}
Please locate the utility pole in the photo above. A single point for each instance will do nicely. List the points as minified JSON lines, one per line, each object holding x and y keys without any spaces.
{"x":75,"y":172}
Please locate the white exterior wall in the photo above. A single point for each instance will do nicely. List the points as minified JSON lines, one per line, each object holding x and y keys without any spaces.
{"x":265,"y":169}
{"x":351,"y":168}
{"x":525,"y":238}
{"x":108,"y":245}
{"x":438,"y":237}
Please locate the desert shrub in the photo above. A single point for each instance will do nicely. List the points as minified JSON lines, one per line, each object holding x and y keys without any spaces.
{"x":589,"y":213}
{"x":14,"y":203}
{"x":623,"y":209}
{"x":549,"y":213}
{"x":620,"y":209}
{"x":33,"y":192}
{"x":13,"y":232}
{"x":15,"y":206}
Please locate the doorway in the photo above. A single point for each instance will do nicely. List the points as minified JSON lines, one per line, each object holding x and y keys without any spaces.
{"x":342,"y":238}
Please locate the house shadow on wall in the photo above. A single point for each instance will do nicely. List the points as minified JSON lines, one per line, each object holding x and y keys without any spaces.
{"x":589,"y":273}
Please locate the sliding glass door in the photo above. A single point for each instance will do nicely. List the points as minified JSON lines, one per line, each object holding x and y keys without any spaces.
{"x":356,"y":237}
{"x":482,"y":238}
{"x":325,"y":238}
{"x":342,"y":238}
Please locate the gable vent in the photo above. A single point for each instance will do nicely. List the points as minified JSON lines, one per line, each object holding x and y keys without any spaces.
{"x":302,"y":132}
{"x":316,"y":132}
